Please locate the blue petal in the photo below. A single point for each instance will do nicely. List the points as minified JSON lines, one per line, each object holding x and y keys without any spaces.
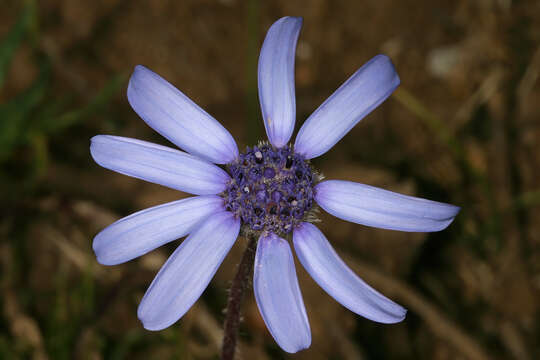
{"x":158,"y":164}
{"x":278,"y":295}
{"x":366,"y":89}
{"x":325,"y":267}
{"x":172,"y":114}
{"x":187,"y":272}
{"x":371,"y":206}
{"x":276,"y":79}
{"x":139,"y":233}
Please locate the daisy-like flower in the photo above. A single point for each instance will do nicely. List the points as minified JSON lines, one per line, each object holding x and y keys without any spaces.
{"x":270,"y":191}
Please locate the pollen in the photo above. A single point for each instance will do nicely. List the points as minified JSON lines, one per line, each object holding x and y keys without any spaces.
{"x":270,"y":189}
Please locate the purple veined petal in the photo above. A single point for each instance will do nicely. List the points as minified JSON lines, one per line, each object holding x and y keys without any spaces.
{"x":278,"y":295}
{"x":276,"y":79}
{"x":172,"y":114}
{"x":366,"y":89}
{"x":371,"y":206}
{"x":327,"y":269}
{"x":188,"y":271}
{"x":146,"y":230}
{"x":158,"y":164}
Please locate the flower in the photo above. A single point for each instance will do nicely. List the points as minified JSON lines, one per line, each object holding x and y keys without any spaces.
{"x":268,"y":191}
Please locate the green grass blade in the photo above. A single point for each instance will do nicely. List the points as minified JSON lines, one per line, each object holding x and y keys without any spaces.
{"x":15,"y":114}
{"x":14,"y":38}
{"x":48,"y":125}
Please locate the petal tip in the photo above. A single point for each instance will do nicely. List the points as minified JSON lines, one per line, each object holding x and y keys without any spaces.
{"x":394,"y":318}
{"x":138,"y":71}
{"x":404,"y":315}
{"x":139,"y":68}
{"x":400,"y":315}
{"x":144,"y":314}
{"x":297,"y":347}
{"x":100,"y":252}
{"x":95,"y":138}
{"x":382,"y":57}
{"x":445,"y":224}
{"x":297,"y":19}
{"x":104,"y":261}
{"x":386,"y":61}
{"x":146,"y":324}
{"x":93,"y":151}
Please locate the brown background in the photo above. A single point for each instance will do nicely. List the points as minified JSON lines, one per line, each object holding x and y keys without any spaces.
{"x":462,"y":128}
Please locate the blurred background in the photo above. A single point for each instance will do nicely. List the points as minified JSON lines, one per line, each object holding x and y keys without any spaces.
{"x":462,"y":128}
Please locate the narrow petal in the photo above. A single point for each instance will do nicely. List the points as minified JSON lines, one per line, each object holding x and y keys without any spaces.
{"x":278,"y":295}
{"x":366,"y":89}
{"x":139,"y":233}
{"x":158,"y":164}
{"x":325,"y":267}
{"x":276,"y":79}
{"x":371,"y":206}
{"x":187,"y":272}
{"x":172,"y":114}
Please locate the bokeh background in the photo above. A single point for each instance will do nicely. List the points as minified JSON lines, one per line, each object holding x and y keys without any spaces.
{"x":462,"y":128}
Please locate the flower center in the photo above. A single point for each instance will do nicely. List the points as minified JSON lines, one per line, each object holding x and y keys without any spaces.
{"x":271,"y":189}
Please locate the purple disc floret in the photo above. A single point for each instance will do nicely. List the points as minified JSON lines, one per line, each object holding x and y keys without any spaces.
{"x":270,"y":189}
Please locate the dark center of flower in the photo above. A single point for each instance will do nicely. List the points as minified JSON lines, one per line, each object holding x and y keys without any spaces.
{"x":271,"y":189}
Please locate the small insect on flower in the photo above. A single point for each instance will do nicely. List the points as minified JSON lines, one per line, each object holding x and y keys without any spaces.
{"x":269,"y":191}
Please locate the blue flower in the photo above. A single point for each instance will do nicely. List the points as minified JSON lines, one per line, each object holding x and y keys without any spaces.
{"x":269,"y":191}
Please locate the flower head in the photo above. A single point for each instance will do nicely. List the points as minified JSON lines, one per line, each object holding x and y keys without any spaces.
{"x":269,"y":191}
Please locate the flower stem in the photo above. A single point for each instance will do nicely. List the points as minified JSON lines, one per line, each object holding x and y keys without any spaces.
{"x":236,"y":294}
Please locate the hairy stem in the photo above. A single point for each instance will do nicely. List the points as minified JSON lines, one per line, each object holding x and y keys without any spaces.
{"x":236,"y":294}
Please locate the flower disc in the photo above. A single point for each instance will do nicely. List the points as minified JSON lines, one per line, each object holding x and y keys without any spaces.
{"x":271,"y":189}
